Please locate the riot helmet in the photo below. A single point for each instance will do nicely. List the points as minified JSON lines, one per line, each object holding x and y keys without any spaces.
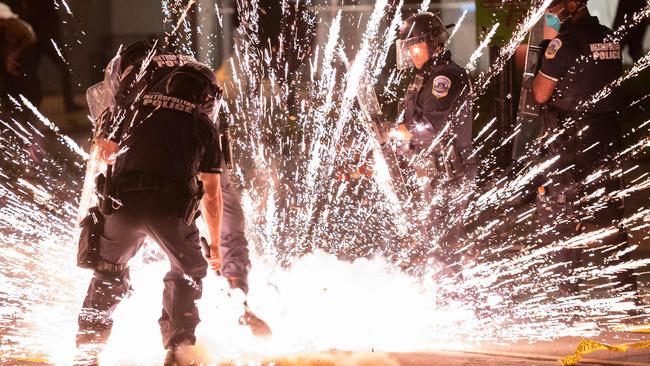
{"x":101,"y":96}
{"x":196,"y":83}
{"x":422,"y":27}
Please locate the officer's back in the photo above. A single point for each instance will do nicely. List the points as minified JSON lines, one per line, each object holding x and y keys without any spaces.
{"x":163,"y":149}
{"x":583,"y":60}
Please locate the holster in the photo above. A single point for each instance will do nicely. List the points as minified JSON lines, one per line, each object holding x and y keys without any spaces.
{"x":105,"y":191}
{"x":92,"y":227}
{"x":191,"y":210}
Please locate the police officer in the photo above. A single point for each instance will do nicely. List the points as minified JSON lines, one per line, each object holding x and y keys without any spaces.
{"x":578,"y":63}
{"x":437,"y":123}
{"x":159,"y":62}
{"x":170,"y":163}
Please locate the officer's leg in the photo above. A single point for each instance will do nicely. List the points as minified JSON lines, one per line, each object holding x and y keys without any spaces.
{"x":235,"y":262}
{"x":110,"y":283}
{"x":183,"y":285}
{"x":456,"y":202}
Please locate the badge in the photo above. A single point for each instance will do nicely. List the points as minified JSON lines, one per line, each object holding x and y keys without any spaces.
{"x":552,"y":48}
{"x":441,"y":86}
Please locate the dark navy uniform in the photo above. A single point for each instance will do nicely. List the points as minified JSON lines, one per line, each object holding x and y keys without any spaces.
{"x":439,"y":99}
{"x":437,"y":111}
{"x":235,"y":261}
{"x":168,"y":144}
{"x":582,"y":60}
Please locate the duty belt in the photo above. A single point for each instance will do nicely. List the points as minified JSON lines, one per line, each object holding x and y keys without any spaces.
{"x":143,"y":182}
{"x":109,"y":268}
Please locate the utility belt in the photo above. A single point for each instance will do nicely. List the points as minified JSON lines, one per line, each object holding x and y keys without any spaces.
{"x":189,"y":194}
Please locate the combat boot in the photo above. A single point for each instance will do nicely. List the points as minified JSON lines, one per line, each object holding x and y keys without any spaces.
{"x":184,"y":354}
{"x":257,"y":325}
{"x":238,"y":292}
{"x":170,"y":358}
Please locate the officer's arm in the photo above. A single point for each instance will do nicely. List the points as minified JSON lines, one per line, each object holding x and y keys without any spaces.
{"x":543,"y":88}
{"x":212,"y":210}
{"x":555,"y":63}
{"x":107,"y":143}
{"x":442,"y":97}
{"x":107,"y":150}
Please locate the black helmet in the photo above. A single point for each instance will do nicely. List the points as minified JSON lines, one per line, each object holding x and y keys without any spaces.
{"x":135,"y":52}
{"x":196,"y":83}
{"x":418,"y":28}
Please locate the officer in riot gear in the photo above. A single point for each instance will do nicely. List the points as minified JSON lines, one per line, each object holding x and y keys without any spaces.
{"x":437,"y":126}
{"x":147,"y":66}
{"x":577,"y":64}
{"x":169,"y":164}
{"x":159,"y":63}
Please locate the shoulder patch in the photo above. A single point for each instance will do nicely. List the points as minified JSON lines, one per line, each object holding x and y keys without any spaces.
{"x":441,"y":86}
{"x":552,"y":48}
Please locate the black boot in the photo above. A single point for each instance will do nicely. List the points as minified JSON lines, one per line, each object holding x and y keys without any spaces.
{"x":257,"y":325}
{"x":170,"y":358}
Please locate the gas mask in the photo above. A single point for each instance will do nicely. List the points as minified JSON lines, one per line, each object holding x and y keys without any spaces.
{"x":560,"y":22}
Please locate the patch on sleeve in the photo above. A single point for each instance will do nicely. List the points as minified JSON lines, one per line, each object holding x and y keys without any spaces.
{"x":441,"y":86}
{"x":552,"y":48}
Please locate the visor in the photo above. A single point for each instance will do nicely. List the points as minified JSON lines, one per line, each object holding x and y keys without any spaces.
{"x":99,"y":98}
{"x":112,"y":73}
{"x":439,"y":37}
{"x":403,"y":59}
{"x":402,"y":46}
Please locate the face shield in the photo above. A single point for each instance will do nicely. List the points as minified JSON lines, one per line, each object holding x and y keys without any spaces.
{"x":101,"y":96}
{"x":404,"y":60}
{"x":112,"y":73}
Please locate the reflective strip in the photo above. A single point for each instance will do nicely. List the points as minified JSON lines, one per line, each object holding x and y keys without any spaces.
{"x":549,"y":77}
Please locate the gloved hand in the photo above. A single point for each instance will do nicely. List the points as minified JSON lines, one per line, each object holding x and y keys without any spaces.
{"x":400,"y":133}
{"x":212,"y":254}
{"x":107,"y":150}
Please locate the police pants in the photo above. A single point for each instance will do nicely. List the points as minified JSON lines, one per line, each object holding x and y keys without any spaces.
{"x":587,"y":152}
{"x":124,"y":233}
{"x":235,"y":262}
{"x":444,"y":202}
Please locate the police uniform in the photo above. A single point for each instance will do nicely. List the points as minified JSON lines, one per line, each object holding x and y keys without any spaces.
{"x":235,"y":260}
{"x":582,"y":60}
{"x":440,"y":98}
{"x":437,"y":111}
{"x":153,"y":179}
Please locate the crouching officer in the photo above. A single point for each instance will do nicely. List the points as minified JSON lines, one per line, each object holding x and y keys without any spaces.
{"x":576,"y":65}
{"x":170,"y":164}
{"x":438,"y":128}
{"x":158,"y":63}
